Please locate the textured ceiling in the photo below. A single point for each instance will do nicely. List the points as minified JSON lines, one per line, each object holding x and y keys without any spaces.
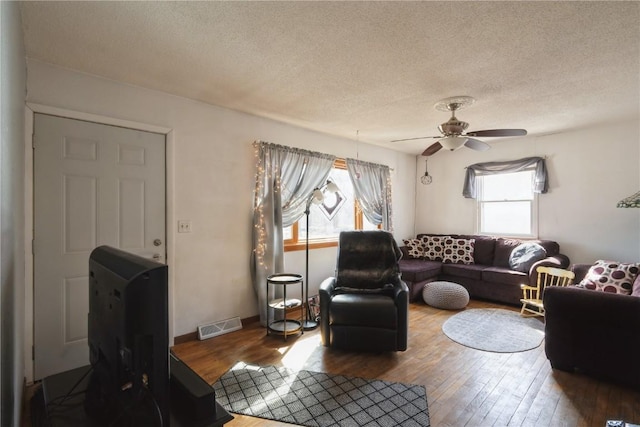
{"x":369,"y":68}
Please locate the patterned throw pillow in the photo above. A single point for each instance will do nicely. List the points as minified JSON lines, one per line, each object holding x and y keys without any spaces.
{"x":433,"y":247}
{"x":414,"y":248}
{"x":611,"y":276}
{"x":458,"y":251}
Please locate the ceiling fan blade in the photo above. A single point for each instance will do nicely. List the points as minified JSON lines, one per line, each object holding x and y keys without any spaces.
{"x":498,"y":132}
{"x":476,"y":144}
{"x":432,"y":149}
{"x":413,"y":139}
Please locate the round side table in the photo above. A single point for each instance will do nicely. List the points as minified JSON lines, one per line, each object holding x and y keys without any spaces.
{"x":284,"y":326}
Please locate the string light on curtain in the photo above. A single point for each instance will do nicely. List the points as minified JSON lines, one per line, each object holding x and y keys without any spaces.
{"x":259,"y":225}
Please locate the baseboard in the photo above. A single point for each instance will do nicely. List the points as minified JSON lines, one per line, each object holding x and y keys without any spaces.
{"x":191,"y":336}
{"x":252,"y":319}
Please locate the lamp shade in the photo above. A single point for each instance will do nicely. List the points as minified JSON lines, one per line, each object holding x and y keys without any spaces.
{"x":318,"y":197}
{"x":630,"y":202}
{"x":452,"y":142}
{"x":332,"y":187}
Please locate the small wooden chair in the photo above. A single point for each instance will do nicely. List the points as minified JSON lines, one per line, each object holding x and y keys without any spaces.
{"x":532,"y":295}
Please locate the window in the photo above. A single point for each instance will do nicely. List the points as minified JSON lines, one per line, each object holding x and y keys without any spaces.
{"x":322,"y":232}
{"x":507,"y":205}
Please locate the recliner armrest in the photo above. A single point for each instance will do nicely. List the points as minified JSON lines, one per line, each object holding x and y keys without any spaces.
{"x":326,"y":291}
{"x":328,"y":285}
{"x":399,"y":289}
{"x":401,"y":295}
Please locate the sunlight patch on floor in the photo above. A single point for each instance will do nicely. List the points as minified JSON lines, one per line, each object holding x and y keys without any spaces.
{"x":295,"y":356}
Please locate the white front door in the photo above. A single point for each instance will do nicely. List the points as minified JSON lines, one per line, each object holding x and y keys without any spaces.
{"x":94,"y":185}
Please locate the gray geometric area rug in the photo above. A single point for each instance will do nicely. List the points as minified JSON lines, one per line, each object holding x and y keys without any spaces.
{"x":317,"y":399}
{"x":495,"y":330}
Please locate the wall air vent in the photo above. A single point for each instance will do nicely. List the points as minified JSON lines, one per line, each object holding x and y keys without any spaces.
{"x":218,"y":328}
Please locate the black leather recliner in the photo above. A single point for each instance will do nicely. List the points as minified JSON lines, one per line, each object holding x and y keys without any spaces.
{"x":366,"y":305}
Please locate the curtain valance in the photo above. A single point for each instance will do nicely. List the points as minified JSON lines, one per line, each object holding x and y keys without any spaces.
{"x":540,"y":181}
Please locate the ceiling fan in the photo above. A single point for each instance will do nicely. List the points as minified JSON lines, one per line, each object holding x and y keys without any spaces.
{"x":453,"y":136}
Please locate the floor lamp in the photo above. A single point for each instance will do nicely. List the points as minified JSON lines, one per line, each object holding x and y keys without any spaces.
{"x":317,"y":197}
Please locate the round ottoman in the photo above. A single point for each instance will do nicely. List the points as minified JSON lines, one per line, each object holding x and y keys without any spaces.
{"x":447,"y":295}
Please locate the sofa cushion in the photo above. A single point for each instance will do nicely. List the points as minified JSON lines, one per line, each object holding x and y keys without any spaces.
{"x":433,"y":247}
{"x":611,"y":276}
{"x":458,"y":250}
{"x":469,"y":271}
{"x":504,"y":247}
{"x":504,"y":275}
{"x":417,"y":270}
{"x":365,"y":310}
{"x":415,"y":249}
{"x":484,"y":249}
{"x":525,"y":255}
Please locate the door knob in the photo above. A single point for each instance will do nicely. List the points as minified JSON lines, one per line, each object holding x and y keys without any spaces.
{"x":157,"y":242}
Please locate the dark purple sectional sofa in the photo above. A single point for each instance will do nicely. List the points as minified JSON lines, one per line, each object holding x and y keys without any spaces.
{"x":489,"y":277}
{"x":593,"y":333}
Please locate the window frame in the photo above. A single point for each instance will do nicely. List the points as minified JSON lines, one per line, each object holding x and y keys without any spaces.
{"x":533,"y":209}
{"x":297,"y":242}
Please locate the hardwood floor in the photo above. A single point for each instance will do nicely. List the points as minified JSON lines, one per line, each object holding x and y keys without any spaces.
{"x":465,"y":387}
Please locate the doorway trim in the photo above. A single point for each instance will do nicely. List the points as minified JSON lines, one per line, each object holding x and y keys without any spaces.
{"x":30,"y":110}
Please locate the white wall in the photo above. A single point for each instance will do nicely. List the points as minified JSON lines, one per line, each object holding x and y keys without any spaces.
{"x":211,"y":170}
{"x":12,"y":289}
{"x":590,"y":170}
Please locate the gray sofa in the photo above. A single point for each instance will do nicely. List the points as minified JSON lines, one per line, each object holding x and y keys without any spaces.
{"x":489,"y":277}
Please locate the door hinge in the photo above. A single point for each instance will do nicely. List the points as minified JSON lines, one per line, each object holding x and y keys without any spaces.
{"x":33,"y":352}
{"x":33,"y":246}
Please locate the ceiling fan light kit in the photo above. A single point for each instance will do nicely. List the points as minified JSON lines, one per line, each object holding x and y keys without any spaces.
{"x":453,"y":136}
{"x":452,"y":143}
